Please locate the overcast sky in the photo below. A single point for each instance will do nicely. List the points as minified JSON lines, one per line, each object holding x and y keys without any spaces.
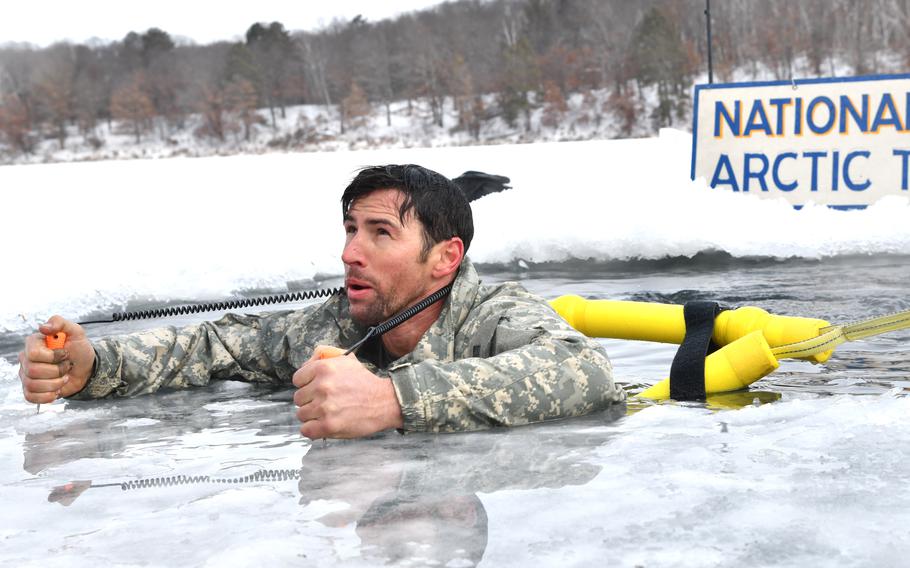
{"x":43,"y":22}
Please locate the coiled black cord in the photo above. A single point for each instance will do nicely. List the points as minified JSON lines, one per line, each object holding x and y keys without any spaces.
{"x":403,"y":316}
{"x":374,"y":331}
{"x":219,"y":306}
{"x":262,"y":475}
{"x":407,"y":314}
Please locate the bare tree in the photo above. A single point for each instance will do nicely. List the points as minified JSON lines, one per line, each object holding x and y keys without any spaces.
{"x":54,"y":89}
{"x":468,"y":105}
{"x":15,"y":125}
{"x":554,"y":105}
{"x":240,"y":100}
{"x":356,"y":108}
{"x":211,"y":105}
{"x":315,"y":64}
{"x":131,"y":104}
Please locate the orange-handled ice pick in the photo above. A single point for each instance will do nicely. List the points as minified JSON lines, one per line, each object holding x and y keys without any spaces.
{"x":327,"y":352}
{"x":55,"y":341}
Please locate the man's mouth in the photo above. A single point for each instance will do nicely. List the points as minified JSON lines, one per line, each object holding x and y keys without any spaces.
{"x":357,"y":289}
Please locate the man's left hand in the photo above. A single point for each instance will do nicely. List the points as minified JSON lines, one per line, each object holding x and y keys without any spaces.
{"x":340,"y":398}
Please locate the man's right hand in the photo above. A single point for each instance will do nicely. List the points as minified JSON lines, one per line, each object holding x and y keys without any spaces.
{"x":48,"y":374}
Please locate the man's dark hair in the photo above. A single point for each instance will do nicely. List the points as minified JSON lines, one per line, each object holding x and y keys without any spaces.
{"x":439,"y":204}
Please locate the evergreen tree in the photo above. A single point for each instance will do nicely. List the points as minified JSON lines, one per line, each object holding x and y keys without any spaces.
{"x":272,"y":53}
{"x":660,"y":59}
{"x":519,"y":79}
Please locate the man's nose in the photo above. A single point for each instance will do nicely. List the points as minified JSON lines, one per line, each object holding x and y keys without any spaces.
{"x":352,"y":254}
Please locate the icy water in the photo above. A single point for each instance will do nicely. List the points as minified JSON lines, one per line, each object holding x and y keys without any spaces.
{"x":807,"y":468}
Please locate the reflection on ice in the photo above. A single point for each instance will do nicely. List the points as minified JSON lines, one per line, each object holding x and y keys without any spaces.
{"x":221,"y":476}
{"x":200,"y":455}
{"x":419,"y":500}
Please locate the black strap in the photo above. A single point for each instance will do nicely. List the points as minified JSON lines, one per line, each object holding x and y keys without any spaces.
{"x":687,"y":373}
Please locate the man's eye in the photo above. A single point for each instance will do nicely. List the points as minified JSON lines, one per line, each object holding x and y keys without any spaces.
{"x":349,"y":229}
{"x":383,"y":232}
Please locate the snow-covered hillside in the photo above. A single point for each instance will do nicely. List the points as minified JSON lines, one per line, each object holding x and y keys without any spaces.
{"x":317,"y":128}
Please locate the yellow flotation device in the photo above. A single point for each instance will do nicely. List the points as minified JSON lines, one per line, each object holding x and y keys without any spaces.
{"x":753,"y":340}
{"x":748,"y":337}
{"x":664,"y":323}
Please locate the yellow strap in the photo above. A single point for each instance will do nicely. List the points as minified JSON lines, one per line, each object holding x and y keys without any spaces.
{"x":830,"y":337}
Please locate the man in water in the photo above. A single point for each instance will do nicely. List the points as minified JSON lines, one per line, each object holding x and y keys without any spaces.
{"x":483,"y":357}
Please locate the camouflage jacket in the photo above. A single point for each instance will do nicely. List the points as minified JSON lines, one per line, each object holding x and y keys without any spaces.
{"x":496,"y":356}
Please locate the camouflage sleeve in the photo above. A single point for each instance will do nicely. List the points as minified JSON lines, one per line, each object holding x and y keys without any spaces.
{"x":540,"y":369}
{"x":247,"y":347}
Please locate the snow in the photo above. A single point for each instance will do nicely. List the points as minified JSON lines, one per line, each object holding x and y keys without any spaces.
{"x":89,"y":237}
{"x":317,"y":128}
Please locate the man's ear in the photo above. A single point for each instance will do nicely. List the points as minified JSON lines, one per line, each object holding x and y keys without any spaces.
{"x":448,"y":256}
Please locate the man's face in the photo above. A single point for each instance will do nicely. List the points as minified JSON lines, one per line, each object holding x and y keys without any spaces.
{"x":383,"y":270}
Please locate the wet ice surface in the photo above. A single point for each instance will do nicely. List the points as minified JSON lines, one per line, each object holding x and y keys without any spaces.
{"x":220,"y":477}
{"x":808,"y":468}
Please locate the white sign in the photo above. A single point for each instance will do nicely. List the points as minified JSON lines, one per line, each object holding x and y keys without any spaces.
{"x":839,"y":142}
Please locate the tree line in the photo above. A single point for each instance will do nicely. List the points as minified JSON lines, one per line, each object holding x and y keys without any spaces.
{"x":474,"y":59}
